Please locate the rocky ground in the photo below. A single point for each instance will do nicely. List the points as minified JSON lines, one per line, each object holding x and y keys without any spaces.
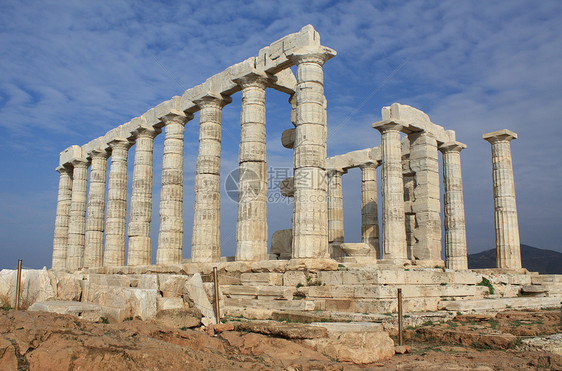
{"x":45,"y":341}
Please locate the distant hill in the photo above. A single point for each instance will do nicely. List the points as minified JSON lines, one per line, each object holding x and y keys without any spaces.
{"x":532,"y":258}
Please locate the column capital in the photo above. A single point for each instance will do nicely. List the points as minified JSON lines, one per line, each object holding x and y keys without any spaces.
{"x":80,"y":163}
{"x":212,"y":100}
{"x":504,"y":135}
{"x":63,"y":169}
{"x":254,"y":79}
{"x":119,"y":144}
{"x":452,"y":147}
{"x":98,"y":153}
{"x":369,"y":164}
{"x":332,"y":172}
{"x":176,"y":117}
{"x":315,"y":54}
{"x":389,"y":125}
{"x":146,"y":132}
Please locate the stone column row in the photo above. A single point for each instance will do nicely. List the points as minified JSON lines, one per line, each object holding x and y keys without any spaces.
{"x":369,"y":209}
{"x":64,"y":201}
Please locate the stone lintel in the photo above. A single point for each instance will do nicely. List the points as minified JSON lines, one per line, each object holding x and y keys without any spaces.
{"x":354,"y":159}
{"x":499,"y":135}
{"x":70,"y":154}
{"x":416,"y":119}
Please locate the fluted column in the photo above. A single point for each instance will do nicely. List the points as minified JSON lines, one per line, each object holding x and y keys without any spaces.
{"x":335,"y":211}
{"x":251,"y":233}
{"x":393,"y":218}
{"x":205,"y":245}
{"x":140,"y":244}
{"x":95,"y":220}
{"x":310,"y":214}
{"x":426,"y":203}
{"x":116,"y":219}
{"x":508,"y":248}
{"x":369,"y":208}
{"x":77,"y":223}
{"x":64,"y":201}
{"x":455,"y":229}
{"x":170,"y":236}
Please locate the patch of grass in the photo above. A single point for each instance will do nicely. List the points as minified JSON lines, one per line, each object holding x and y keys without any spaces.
{"x":6,"y":308}
{"x":493,"y":323}
{"x":299,"y":285}
{"x":443,"y":283}
{"x":184,"y":328}
{"x":428,"y":323}
{"x":452,"y":324}
{"x":486,"y":282}
{"x":128,"y":319}
{"x":104,"y":320}
{"x":387,"y":314}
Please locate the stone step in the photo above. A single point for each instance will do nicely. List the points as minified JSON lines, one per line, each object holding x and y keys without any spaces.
{"x":547,"y":278}
{"x":258,"y":292}
{"x":501,"y":304}
{"x":391,"y":291}
{"x":270,"y":304}
{"x":542,"y":290}
{"x":87,"y":311}
{"x":414,"y":276}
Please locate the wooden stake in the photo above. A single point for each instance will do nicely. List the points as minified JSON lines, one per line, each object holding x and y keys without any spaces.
{"x":217,"y":307}
{"x":400,"y":324}
{"x":18,"y":285}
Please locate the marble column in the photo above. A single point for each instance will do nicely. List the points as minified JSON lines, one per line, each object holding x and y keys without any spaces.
{"x":251,"y":234}
{"x":95,"y":220}
{"x":170,"y":235}
{"x":140,"y":244}
{"x":508,"y":248}
{"x":77,"y":223}
{"x":393,"y":218}
{"x":64,"y":201}
{"x":426,"y":203}
{"x":369,"y":208}
{"x":455,"y":230}
{"x":310,"y":209}
{"x":205,"y":245}
{"x":335,"y":212}
{"x":116,"y":219}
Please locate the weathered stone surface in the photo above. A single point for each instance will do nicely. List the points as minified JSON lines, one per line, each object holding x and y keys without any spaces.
{"x":194,"y":293}
{"x":169,"y":303}
{"x":285,"y":330}
{"x":360,"y":343}
{"x":90,"y":312}
{"x":8,"y":359}
{"x":179,"y":318}
{"x":281,"y":243}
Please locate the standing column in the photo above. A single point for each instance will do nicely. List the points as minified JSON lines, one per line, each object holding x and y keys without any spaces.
{"x":426,"y":203}
{"x":508,"y":248}
{"x":95,"y":221}
{"x":310,"y":216}
{"x":393,"y":218}
{"x":170,"y":236}
{"x":455,"y":230}
{"x":77,"y":223}
{"x":205,"y":245}
{"x":335,"y":211}
{"x":140,"y":244}
{"x":251,"y":233}
{"x":64,"y":201}
{"x":116,"y":220}
{"x":369,"y":208}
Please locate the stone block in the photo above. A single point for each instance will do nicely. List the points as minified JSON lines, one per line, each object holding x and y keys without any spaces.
{"x":166,"y":303}
{"x":196,"y":296}
{"x":180,"y":318}
{"x":260,"y":279}
{"x":90,"y":312}
{"x":171,"y":285}
{"x":281,"y":243}
{"x":294,"y":278}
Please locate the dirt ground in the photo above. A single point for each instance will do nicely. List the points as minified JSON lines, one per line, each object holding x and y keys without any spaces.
{"x":45,"y":341}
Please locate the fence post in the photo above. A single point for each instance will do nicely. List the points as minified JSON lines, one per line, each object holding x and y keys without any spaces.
{"x":217,"y":307}
{"x":18,"y":285}
{"x":400,"y":324}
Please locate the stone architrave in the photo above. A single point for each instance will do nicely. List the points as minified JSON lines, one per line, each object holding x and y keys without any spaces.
{"x":508,"y":248}
{"x":310,"y":214}
{"x":95,"y":219}
{"x":64,"y":201}
{"x":335,"y":211}
{"x":116,"y":219}
{"x":251,"y":234}
{"x":140,"y":244}
{"x":170,"y":236}
{"x":393,"y":218}
{"x":369,"y":209}
{"x":426,"y":204}
{"x":77,"y":223}
{"x":205,"y":245}
{"x":455,"y":229}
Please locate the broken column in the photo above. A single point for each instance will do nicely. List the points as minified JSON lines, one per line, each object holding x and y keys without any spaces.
{"x":369,"y":209}
{"x":170,"y":236}
{"x":116,"y":219}
{"x":508,"y":248}
{"x":77,"y":223}
{"x":251,"y":233}
{"x":455,"y":229}
{"x":205,"y":245}
{"x":426,"y":205}
{"x":393,"y":227}
{"x":310,"y":216}
{"x":140,"y":244}
{"x":335,"y":212}
{"x":95,"y":220}
{"x":64,"y":201}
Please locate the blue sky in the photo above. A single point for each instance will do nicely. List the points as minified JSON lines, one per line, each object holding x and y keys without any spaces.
{"x":72,"y":70}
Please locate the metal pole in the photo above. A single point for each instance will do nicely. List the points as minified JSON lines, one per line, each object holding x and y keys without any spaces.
{"x":217,"y":308}
{"x":400,"y":324}
{"x":18,"y":286}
